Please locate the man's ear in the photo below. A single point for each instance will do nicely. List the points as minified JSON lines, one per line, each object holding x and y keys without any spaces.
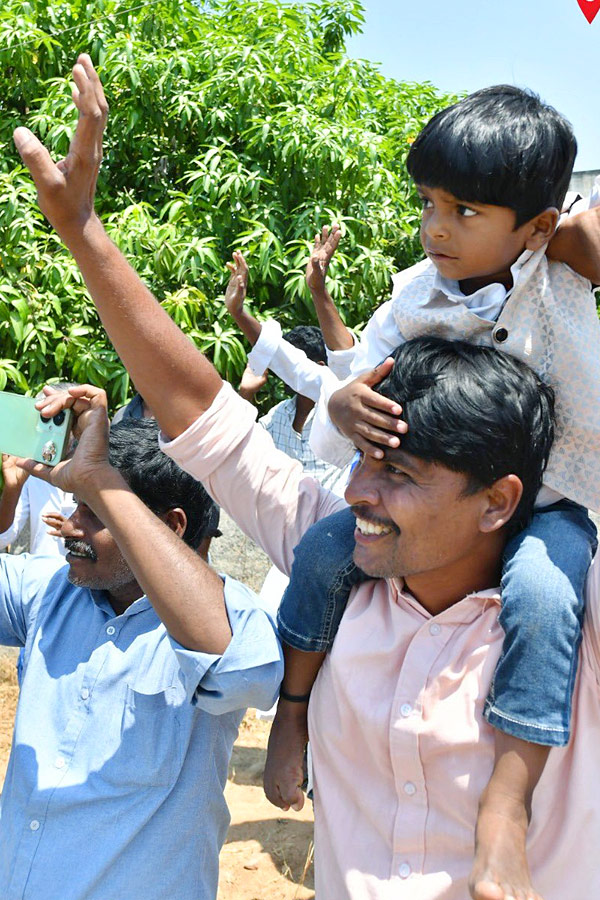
{"x":176,"y":519}
{"x":541,"y":228}
{"x":502,"y":499}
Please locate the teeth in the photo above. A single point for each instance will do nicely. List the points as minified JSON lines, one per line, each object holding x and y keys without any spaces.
{"x":366,"y":527}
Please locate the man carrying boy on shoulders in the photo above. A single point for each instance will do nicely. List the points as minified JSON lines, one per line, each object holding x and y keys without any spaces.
{"x":396,"y":803}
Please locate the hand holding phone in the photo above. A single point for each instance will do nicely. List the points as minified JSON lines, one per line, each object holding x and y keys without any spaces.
{"x":85,"y":471}
{"x":25,"y":432}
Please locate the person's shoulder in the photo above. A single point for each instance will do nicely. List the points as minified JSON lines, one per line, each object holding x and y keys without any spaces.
{"x":241,"y":600}
{"x":37,"y":580}
{"x":32,"y":567}
{"x":563,"y":277}
{"x":422,"y":274}
{"x":238,"y":593}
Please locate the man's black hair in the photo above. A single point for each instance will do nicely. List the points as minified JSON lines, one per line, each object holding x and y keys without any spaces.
{"x":476,"y":411}
{"x":310,"y":339}
{"x":501,"y":146}
{"x":158,"y":481}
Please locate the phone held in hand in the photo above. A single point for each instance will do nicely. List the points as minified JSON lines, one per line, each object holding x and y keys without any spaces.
{"x":26,"y":433}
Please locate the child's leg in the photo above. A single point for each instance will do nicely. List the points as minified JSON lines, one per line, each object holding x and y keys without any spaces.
{"x":322,"y":575}
{"x":530,"y":700}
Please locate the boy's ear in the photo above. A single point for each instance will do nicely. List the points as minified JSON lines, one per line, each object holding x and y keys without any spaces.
{"x":541,"y":228}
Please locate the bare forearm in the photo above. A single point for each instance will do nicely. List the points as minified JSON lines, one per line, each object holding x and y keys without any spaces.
{"x":247,"y":393}
{"x":8,"y":507}
{"x":175,"y":379}
{"x":185,"y":592}
{"x":335,"y":333}
{"x":248,"y":325}
{"x":577,"y":243}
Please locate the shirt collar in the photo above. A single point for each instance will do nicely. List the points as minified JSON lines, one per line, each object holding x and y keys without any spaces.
{"x":101,"y":600}
{"x":465,"y":610}
{"x":491,"y":292}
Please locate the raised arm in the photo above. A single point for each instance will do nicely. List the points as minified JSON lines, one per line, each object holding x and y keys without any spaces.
{"x":235,"y":299}
{"x":185,"y":592}
{"x":577,"y":243}
{"x":176,"y":381}
{"x":335,"y":333}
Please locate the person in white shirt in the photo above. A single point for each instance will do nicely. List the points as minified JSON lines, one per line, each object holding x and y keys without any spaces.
{"x":299,"y":359}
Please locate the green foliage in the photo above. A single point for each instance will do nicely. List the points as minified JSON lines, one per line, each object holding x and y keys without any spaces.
{"x":232,"y":125}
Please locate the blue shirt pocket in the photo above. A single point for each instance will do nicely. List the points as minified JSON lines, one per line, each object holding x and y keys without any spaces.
{"x":150,"y":747}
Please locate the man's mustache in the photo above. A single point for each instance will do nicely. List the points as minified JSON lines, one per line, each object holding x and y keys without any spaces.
{"x":81,"y":548}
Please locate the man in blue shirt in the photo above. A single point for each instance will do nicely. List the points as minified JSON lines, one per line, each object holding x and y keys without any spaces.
{"x":139,"y":662}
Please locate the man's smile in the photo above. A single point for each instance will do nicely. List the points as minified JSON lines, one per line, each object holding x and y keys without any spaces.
{"x":372,"y":527}
{"x":80,"y":549}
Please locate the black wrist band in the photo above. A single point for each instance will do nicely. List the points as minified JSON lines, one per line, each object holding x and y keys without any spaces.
{"x":294,"y":698}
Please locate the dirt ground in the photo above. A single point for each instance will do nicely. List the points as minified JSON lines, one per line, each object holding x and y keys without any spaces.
{"x":268,"y":853}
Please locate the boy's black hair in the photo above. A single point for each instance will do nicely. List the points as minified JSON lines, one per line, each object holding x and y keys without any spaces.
{"x":476,"y":411}
{"x":310,"y":339}
{"x":158,"y":481}
{"x":501,"y":146}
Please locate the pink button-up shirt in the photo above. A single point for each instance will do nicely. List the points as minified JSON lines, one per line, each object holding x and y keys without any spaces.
{"x":401,"y":751}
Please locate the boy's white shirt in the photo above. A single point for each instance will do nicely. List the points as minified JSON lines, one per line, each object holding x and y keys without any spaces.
{"x":381,"y":336}
{"x":546,"y":298}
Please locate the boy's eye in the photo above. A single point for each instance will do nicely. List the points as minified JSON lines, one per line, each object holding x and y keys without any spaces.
{"x":466,"y":211}
{"x":425,"y":202}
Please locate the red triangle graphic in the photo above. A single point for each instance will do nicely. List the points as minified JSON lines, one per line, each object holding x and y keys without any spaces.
{"x":589,"y":8}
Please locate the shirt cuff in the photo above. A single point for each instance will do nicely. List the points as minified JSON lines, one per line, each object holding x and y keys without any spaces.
{"x":340,"y":361}
{"x":250,"y":670}
{"x":259,"y":358}
{"x":202,"y":447}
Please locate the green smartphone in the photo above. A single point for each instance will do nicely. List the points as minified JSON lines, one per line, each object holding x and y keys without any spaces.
{"x":24,"y":432}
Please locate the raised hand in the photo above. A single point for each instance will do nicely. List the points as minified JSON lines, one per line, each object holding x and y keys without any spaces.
{"x":325,"y":246}
{"x":235,"y":294}
{"x":369,"y":420}
{"x":84,"y":472}
{"x":14,"y":477}
{"x":66,"y":189}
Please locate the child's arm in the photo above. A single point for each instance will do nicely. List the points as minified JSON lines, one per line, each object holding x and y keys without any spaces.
{"x":270,"y":350}
{"x":235,"y":296}
{"x":335,"y":333}
{"x":577,"y":243}
{"x":367,"y":419}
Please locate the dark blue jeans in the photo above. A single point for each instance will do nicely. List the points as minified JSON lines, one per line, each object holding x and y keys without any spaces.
{"x":544,"y":572}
